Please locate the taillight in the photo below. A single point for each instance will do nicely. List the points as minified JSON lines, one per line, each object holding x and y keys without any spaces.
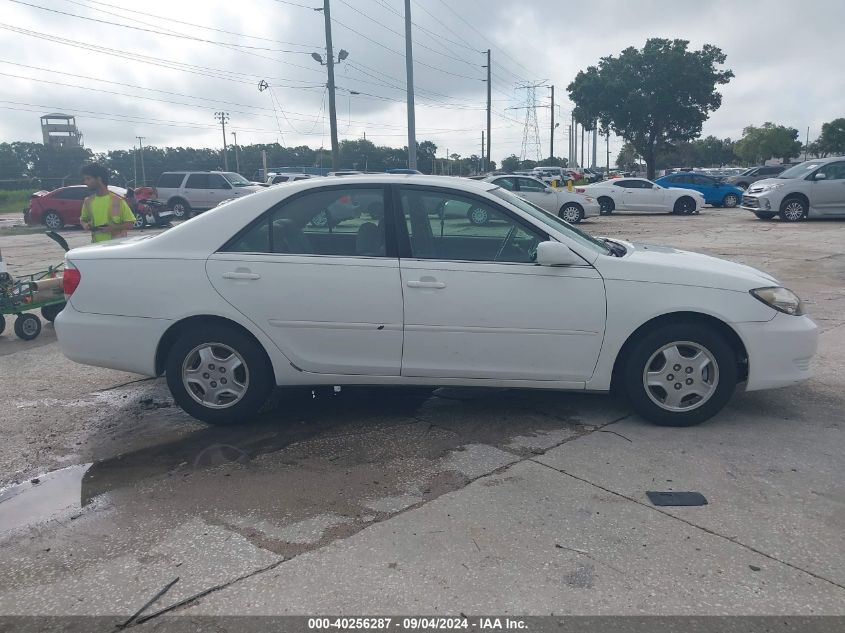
{"x":70,"y":280}
{"x":580,"y":190}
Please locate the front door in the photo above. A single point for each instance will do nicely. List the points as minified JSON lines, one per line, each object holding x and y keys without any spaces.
{"x":219,"y":190}
{"x":476,"y":304}
{"x":641,"y":195}
{"x":828,"y":196}
{"x":329,"y":295}
{"x":537,"y":192}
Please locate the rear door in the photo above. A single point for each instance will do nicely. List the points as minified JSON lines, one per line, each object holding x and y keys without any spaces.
{"x":328,"y":295}
{"x":196,"y":191}
{"x":476,"y":304}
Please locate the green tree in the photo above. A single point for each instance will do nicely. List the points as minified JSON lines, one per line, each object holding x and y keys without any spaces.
{"x":759,"y":144}
{"x":511,"y":163}
{"x":832,"y":139}
{"x":626,"y":160}
{"x":11,"y":165}
{"x":652,"y":97}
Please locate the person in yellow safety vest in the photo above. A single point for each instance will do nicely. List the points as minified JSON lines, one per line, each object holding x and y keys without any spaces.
{"x":104,"y":213}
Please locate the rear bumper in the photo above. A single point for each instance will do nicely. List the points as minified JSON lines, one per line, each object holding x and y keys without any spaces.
{"x":780,"y":351}
{"x":105,"y":340}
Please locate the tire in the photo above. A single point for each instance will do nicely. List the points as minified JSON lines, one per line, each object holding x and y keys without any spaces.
{"x":181,"y":209}
{"x":764,"y":215}
{"x":140,"y":220}
{"x":571,"y":212}
{"x":2,"y":324}
{"x":715,"y":375}
{"x":478,"y":216}
{"x":730,"y":201}
{"x":224,"y":348}
{"x":684,"y":206}
{"x":50,"y":312}
{"x":27,"y":326}
{"x":793,"y":210}
{"x":606,"y":205}
{"x":53,"y":221}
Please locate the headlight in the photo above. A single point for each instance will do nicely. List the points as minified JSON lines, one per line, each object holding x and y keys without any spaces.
{"x":781,"y":299}
{"x":774,"y":186}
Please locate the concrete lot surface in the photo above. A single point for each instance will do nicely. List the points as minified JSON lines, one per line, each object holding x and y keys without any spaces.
{"x":431,"y":502}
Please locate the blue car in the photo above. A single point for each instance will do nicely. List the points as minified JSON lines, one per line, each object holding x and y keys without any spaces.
{"x":719,"y":194}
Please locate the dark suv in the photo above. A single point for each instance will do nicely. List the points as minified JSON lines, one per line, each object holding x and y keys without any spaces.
{"x":754,"y":174}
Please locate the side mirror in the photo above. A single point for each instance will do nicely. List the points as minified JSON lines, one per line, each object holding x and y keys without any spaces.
{"x":820,"y":176}
{"x":655,"y":186}
{"x":549,"y":190}
{"x":556,"y":254}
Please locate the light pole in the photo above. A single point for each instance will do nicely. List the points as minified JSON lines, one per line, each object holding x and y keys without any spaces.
{"x":329,"y":64}
{"x":143,"y":172}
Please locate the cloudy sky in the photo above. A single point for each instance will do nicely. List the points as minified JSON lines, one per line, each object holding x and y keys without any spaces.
{"x":184,"y":60}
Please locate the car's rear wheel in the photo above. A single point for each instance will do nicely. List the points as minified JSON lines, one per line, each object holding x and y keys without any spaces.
{"x":793,"y":210}
{"x":27,"y":326}
{"x":764,"y":216}
{"x":684,"y":206}
{"x":53,"y":221}
{"x":572,"y":213}
{"x":606,"y":205}
{"x":680,"y":375}
{"x":730,"y":200}
{"x":181,"y":209}
{"x":478,"y":216}
{"x":140,"y":220}
{"x":219,"y":375}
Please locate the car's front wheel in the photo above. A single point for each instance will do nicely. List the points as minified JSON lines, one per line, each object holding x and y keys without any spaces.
{"x":680,"y":375}
{"x":730,"y":201}
{"x":219,"y":375}
{"x":572,"y":213}
{"x":684,"y":206}
{"x":793,"y":210}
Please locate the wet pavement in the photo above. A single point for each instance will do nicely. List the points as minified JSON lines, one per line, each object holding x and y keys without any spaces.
{"x":109,"y":491}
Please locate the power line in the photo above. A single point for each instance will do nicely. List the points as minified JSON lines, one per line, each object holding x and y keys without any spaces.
{"x":138,"y":28}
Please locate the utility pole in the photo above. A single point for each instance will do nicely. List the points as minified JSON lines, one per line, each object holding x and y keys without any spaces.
{"x":552,"y":134}
{"x":607,"y":140}
{"x":223,"y":117}
{"x":807,"y":143}
{"x":489,"y":101}
{"x":330,"y":67}
{"x":237,"y":156}
{"x":134,"y":166}
{"x":595,"y":144}
{"x":483,"y":167}
{"x":582,"y":146}
{"x":143,"y":172}
{"x":409,"y":72}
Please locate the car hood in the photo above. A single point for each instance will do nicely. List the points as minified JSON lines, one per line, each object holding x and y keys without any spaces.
{"x":665,"y":264}
{"x":761,"y":184}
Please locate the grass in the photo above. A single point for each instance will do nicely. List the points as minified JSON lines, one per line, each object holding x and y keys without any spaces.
{"x":14,"y":201}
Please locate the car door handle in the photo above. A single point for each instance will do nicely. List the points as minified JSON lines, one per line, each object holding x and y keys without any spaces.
{"x":241,"y":274}
{"x":426,"y":284}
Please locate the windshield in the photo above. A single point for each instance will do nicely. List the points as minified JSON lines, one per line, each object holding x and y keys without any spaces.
{"x":552,"y":221}
{"x":236,"y":180}
{"x":800,"y":170}
{"x":747,"y":172}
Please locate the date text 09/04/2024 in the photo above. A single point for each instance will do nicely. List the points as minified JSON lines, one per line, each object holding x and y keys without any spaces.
{"x":415,"y":623}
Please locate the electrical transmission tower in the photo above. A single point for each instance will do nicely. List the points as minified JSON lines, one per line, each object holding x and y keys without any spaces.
{"x":531,"y":149}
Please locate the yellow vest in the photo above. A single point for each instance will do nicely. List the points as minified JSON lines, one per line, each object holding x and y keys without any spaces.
{"x":98,"y":214}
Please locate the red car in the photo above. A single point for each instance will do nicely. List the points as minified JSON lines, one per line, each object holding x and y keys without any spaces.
{"x":54,"y":209}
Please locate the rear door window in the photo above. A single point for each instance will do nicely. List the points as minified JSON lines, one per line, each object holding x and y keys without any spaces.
{"x":170,"y":181}
{"x":197,"y":181}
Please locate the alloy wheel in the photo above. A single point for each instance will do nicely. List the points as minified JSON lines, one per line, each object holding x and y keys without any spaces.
{"x":793,"y":211}
{"x":571,"y":214}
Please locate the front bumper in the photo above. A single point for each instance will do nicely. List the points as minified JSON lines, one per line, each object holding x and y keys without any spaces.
{"x":780,"y":351}
{"x":105,"y":340}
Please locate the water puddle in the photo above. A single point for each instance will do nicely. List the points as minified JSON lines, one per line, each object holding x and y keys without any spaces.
{"x":57,"y":494}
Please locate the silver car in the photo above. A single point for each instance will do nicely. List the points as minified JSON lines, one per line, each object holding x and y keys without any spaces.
{"x":187,"y":192}
{"x":812,"y":189}
{"x":569,"y":206}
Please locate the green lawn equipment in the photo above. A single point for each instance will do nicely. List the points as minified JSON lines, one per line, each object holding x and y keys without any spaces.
{"x":42,"y":290}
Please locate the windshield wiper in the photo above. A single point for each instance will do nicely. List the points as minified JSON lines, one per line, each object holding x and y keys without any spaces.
{"x":616,"y":249}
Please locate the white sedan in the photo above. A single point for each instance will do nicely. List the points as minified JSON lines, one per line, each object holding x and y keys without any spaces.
{"x":252,"y":295}
{"x":639,"y":194}
{"x":570,"y":206}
